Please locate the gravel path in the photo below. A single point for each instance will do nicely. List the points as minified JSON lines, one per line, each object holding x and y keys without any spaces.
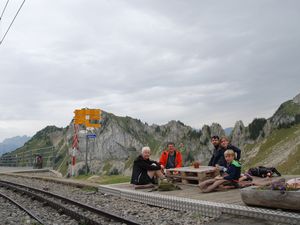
{"x":139,"y":212}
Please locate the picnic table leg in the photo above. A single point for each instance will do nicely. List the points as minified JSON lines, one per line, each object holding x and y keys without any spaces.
{"x":201,"y":177}
{"x":183,"y":178}
{"x":216,"y":172}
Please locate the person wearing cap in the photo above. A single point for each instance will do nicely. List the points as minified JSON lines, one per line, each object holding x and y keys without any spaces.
{"x":215,"y":140}
{"x":171,"y":157}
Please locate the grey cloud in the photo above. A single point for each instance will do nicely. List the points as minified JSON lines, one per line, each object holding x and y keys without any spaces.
{"x":196,"y":61}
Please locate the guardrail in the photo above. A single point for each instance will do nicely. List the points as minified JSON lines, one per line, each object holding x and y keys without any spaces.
{"x":30,"y":158}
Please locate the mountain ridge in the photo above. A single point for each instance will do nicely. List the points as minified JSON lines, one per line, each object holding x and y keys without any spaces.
{"x":120,"y":139}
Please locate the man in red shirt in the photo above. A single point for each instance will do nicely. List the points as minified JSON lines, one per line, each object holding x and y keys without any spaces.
{"x":171,"y":157}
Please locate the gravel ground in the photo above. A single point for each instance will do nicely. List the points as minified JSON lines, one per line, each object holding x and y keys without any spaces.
{"x":10,"y":214}
{"x":241,"y":220}
{"x":45,"y":213}
{"x":139,"y":212}
{"x":40,"y":174}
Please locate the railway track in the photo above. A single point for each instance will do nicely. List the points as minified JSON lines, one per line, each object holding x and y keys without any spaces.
{"x":28,"y":211}
{"x":82,"y":213}
{"x":141,"y":211}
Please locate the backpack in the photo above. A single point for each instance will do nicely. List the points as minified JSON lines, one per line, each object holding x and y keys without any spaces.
{"x":165,"y":185}
{"x":262,"y":171}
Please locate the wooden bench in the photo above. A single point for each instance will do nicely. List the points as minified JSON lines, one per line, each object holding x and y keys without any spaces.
{"x":191,"y":175}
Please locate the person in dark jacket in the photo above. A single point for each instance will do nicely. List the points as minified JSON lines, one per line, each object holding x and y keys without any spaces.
{"x":225,"y":145}
{"x":233,"y":168}
{"x":230,"y":178}
{"x":144,"y":170}
{"x":215,"y":140}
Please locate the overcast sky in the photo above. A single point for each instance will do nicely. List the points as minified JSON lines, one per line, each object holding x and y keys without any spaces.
{"x":194,"y":61}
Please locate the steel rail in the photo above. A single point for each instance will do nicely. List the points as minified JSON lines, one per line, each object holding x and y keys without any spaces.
{"x":77,"y":216}
{"x":31,"y":214}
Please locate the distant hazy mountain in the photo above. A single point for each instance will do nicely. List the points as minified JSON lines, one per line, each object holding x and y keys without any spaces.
{"x":10,"y":144}
{"x":228,"y":130}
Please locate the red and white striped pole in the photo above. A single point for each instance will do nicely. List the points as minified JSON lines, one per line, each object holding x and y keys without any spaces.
{"x":74,"y":148}
{"x":73,"y":161}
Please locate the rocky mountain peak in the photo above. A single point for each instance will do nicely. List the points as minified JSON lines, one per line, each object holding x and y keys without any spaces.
{"x":204,"y":139}
{"x":216,"y":129}
{"x":238,"y":134}
{"x":287,"y":114}
{"x":296,"y":99}
{"x":208,"y":131}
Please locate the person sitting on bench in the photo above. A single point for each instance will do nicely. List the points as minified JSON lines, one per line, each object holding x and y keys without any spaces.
{"x":144,"y":170}
{"x":230,"y":177}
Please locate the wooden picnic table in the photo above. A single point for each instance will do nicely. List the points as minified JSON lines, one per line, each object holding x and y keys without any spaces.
{"x":191,"y":175}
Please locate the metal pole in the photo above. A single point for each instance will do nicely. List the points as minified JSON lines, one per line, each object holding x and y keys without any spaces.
{"x":94,"y":139}
{"x":86,"y":153}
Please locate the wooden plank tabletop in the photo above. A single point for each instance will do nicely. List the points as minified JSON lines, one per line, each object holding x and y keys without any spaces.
{"x":191,"y":169}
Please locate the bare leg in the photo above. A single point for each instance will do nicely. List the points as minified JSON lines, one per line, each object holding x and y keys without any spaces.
{"x":205,"y":184}
{"x":151,"y":173}
{"x":156,"y":173}
{"x":213,"y":186}
{"x":242,"y":178}
{"x":159,"y":174}
{"x":245,"y":177}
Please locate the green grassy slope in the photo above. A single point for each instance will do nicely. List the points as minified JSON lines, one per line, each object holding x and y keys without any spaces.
{"x":279,"y":137}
